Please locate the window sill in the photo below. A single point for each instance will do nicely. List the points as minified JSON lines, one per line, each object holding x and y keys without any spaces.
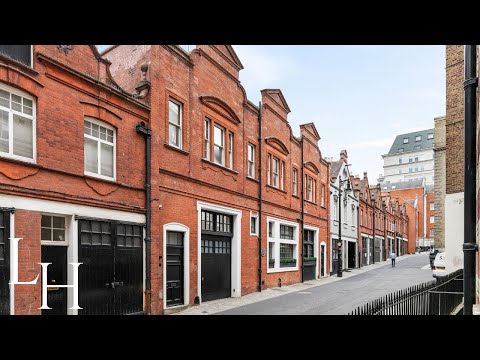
{"x":54,"y":243}
{"x":278,"y":270}
{"x":252,"y":179}
{"x":220,"y":166}
{"x":274,"y":188}
{"x":22,"y":66}
{"x":93,"y":177}
{"x":310,"y":202}
{"x":323,"y":206}
{"x":181,"y":151}
{"x":27,"y":162}
{"x":296,"y":196}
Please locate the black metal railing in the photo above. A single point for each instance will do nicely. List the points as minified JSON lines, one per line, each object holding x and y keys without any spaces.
{"x":436,"y":297}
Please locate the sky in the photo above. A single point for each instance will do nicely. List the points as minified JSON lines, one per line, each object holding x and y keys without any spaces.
{"x":359,"y":97}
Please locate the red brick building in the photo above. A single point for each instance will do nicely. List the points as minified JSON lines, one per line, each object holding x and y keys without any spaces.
{"x":238,"y":201}
{"x":72,"y":176}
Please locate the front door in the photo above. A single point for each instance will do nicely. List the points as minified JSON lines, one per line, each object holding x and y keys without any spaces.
{"x":334,"y":268}
{"x":351,"y":255}
{"x":56,"y":275}
{"x":174,"y":268}
{"x":376,"y":249}
{"x":322,"y":260}
{"x":4,"y":262}
{"x":309,"y":258}
{"x":111,"y":276}
{"x":216,"y":267}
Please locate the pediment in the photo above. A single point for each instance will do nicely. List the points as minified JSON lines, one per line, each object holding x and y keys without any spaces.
{"x":312,"y":167}
{"x":220,"y":107}
{"x":277,"y":144}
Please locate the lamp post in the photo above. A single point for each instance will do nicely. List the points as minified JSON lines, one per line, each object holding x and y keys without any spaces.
{"x":347,"y":189}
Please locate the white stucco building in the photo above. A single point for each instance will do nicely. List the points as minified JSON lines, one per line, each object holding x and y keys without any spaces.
{"x":410,"y":157}
{"x":349,"y":216}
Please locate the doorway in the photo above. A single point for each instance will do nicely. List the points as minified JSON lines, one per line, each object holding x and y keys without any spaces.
{"x":351,"y":255}
{"x":56,"y":275}
{"x":175,"y":270}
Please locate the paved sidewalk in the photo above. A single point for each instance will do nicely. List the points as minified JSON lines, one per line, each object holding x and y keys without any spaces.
{"x":215,"y":306}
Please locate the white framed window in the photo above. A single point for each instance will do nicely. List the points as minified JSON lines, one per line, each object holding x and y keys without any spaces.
{"x":400,"y":150}
{"x":17,"y":124}
{"x":294,"y":181}
{"x":400,"y":160}
{"x":21,"y":53}
{"x":275,"y":171}
{"x":99,"y":149}
{"x":230,"y":150}
{"x":432,"y":219}
{"x":175,"y":123}
{"x":219,"y":144}
{"x":282,"y":245}
{"x":53,"y":229}
{"x":335,"y":204}
{"x":253,"y":224}
{"x":309,"y":188}
{"x":251,"y":161}
{"x":353,"y":215}
{"x":410,"y":160}
{"x":322,"y":199}
{"x":418,"y":138}
{"x":430,"y":136}
{"x":269,"y":170}
{"x":206,"y":139}
{"x":399,"y":171}
{"x":432,"y":232}
{"x":432,"y":206}
{"x":282,"y":174}
{"x":416,"y":158}
{"x":405,"y":140}
{"x":361,"y":217}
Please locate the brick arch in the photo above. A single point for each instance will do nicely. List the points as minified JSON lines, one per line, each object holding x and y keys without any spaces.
{"x":277,"y":144}
{"x":220,"y":107}
{"x":311,"y":166}
{"x":20,"y":80}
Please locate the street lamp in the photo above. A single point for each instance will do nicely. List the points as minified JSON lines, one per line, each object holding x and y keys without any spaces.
{"x":341,"y":183}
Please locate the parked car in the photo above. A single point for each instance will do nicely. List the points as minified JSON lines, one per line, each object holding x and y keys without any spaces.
{"x":439,"y":265}
{"x":433,"y":254}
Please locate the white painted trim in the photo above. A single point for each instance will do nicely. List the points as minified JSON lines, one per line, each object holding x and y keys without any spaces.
{"x":33,"y":117}
{"x":236,"y":255}
{"x":316,"y":247}
{"x":186,"y":261}
{"x":61,"y":208}
{"x":12,"y":268}
{"x":91,"y":137}
{"x":180,"y":105}
{"x":71,"y":229}
{"x":276,"y":240}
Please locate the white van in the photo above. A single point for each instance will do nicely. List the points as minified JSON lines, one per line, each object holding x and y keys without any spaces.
{"x":439,"y":265}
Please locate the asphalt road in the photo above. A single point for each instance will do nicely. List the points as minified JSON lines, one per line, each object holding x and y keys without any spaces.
{"x":341,"y":297}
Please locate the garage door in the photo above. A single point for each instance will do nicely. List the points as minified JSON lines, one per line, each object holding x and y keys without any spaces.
{"x":111,"y":277}
{"x":216,"y":256}
{"x":4,"y":262}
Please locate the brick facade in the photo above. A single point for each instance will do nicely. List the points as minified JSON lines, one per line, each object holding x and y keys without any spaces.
{"x":205,"y":83}
{"x":454,"y":119}
{"x":67,"y":87}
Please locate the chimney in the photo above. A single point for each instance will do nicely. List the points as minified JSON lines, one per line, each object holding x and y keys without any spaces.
{"x":364,"y":174}
{"x":344,"y":156}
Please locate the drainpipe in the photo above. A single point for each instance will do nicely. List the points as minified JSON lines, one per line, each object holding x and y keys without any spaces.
{"x":374,"y":213}
{"x":469,"y":246}
{"x":260,"y":197}
{"x":302,"y":219}
{"x":360,"y":258}
{"x":146,"y":132}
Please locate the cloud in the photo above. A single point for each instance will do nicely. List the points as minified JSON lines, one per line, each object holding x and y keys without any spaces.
{"x":263,"y":68}
{"x":396,"y":125}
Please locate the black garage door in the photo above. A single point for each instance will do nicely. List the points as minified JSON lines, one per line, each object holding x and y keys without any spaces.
{"x":4,"y":262}
{"x":216,"y":255}
{"x":111,"y":277}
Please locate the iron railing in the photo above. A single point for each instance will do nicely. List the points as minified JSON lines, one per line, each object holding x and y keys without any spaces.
{"x":436,"y":297}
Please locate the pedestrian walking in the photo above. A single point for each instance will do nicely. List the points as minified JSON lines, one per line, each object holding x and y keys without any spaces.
{"x":393,"y":256}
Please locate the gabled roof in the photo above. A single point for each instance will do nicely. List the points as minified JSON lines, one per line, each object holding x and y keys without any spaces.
{"x":335,"y":167}
{"x":281,"y":99}
{"x":234,"y":56}
{"x":399,"y":146}
{"x":311,"y":128}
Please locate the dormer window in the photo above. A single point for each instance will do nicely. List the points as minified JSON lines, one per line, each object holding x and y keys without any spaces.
{"x":20,"y":53}
{"x":405,"y":140}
